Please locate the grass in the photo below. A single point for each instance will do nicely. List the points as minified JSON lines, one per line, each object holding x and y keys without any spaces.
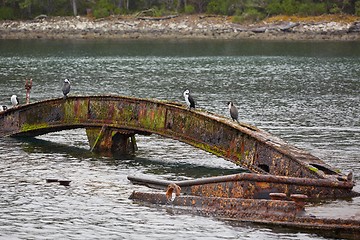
{"x":341,"y":18}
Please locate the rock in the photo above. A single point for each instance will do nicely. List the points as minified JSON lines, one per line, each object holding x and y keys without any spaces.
{"x":40,"y":17}
{"x":355,"y":27}
{"x":177,"y":27}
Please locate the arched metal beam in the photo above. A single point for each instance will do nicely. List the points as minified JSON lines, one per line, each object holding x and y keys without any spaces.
{"x":242,"y":144}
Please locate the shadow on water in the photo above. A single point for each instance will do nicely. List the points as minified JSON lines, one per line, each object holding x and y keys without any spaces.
{"x":172,"y":171}
{"x":180,"y":171}
{"x":35,"y":145}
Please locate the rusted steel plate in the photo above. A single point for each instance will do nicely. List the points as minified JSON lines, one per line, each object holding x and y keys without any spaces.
{"x":273,"y":212}
{"x":242,"y":144}
{"x":249,"y":208}
{"x":249,"y":185}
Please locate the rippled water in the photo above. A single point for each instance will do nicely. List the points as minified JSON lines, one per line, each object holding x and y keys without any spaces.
{"x":306,"y":93}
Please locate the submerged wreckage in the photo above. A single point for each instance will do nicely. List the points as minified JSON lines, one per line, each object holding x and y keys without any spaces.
{"x":276,"y":195}
{"x":282,"y":179}
{"x":247,"y":197}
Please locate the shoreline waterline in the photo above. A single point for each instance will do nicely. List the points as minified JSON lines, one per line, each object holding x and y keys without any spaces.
{"x":177,"y":27}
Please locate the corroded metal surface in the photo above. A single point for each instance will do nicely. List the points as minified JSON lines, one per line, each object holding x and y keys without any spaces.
{"x":242,"y":144}
{"x":255,"y":186}
{"x":110,"y":141}
{"x":256,"y":209}
{"x":254,"y":198}
{"x":273,"y":212}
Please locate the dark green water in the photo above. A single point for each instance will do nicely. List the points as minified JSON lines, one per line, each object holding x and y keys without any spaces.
{"x":304,"y":92}
{"x":176,"y":48}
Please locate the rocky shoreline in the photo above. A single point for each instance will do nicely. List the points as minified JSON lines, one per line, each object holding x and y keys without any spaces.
{"x":176,"y":27}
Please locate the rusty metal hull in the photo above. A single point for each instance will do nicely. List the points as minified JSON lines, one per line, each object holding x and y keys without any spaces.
{"x":254,"y":198}
{"x":242,"y":144}
{"x":258,"y":186}
{"x":272,"y":212}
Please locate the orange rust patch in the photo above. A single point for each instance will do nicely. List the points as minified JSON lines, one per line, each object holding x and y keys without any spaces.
{"x":263,"y":185}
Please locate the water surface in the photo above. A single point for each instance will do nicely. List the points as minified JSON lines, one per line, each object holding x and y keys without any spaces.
{"x":304,"y":92}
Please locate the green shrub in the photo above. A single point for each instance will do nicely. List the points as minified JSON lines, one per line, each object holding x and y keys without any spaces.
{"x":290,"y":7}
{"x":189,"y":9}
{"x":237,"y":19}
{"x":158,"y":12}
{"x":101,"y":13}
{"x":213,"y":7}
{"x":335,"y":9}
{"x":357,"y":8}
{"x":249,"y":15}
{"x":6,"y":13}
{"x":218,"y":7}
{"x":103,"y":8}
{"x":274,"y":8}
{"x":118,"y":11}
{"x":312,"y":9}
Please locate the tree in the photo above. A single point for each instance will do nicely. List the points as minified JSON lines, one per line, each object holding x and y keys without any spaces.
{"x":13,"y":9}
{"x":74,"y":7}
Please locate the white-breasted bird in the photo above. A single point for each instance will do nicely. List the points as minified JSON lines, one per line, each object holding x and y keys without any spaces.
{"x":14,"y":100}
{"x":233,"y":112}
{"x":66,"y":87}
{"x":189,"y":99}
{"x":3,"y":108}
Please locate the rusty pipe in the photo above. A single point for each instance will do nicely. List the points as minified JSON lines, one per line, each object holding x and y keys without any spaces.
{"x":245,"y":177}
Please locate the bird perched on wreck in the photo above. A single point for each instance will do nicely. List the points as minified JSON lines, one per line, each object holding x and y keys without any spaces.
{"x":3,"y":108}
{"x":14,"y":100}
{"x":189,"y":99}
{"x":66,"y":87}
{"x":350,"y":176}
{"x":233,"y":111}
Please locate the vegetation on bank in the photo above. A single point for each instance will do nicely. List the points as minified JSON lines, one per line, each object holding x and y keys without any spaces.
{"x":240,"y":10}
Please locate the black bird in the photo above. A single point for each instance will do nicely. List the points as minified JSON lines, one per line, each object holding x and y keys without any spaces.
{"x":233,"y":112}
{"x":189,"y":100}
{"x":350,"y":176}
{"x":66,"y":87}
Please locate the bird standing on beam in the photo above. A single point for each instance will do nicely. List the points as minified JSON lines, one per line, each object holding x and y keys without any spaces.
{"x":66,"y":88}
{"x":233,"y":112}
{"x":3,"y":108}
{"x":14,"y":100}
{"x":188,"y":99}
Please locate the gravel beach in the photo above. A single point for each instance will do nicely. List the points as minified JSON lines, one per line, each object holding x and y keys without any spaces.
{"x":176,"y":27}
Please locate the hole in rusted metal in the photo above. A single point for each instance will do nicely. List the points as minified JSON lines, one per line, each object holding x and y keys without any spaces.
{"x":324,"y":169}
{"x":264,"y":167}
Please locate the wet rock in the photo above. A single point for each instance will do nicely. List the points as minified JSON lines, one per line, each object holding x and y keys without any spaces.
{"x":175,"y":27}
{"x":355,"y":27}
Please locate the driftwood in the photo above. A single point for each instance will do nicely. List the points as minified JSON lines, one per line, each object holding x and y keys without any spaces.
{"x":151,"y":11}
{"x":280,"y":27}
{"x":261,"y":29}
{"x":157,"y":18}
{"x":40,"y":17}
{"x":208,"y":16}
